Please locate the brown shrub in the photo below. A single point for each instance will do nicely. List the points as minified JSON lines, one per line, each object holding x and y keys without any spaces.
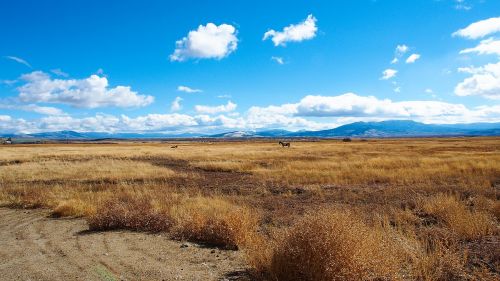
{"x":332,"y":245}
{"x":127,"y":212}
{"x":215,"y":222}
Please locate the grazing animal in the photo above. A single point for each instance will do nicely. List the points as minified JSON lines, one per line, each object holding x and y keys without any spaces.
{"x":284,"y":144}
{"x":174,"y":146}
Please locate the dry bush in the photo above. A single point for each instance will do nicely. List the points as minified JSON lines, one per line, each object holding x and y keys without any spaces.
{"x":332,"y":245}
{"x":129,"y":212}
{"x":215,"y":222}
{"x":454,"y":214}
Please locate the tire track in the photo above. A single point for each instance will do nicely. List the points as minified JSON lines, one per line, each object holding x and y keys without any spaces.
{"x":36,"y":247}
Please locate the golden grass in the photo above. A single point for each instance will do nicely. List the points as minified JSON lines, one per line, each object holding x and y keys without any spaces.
{"x":88,"y":170}
{"x":411,"y":209}
{"x":468,"y":224}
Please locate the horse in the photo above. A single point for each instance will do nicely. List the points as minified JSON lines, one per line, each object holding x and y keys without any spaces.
{"x":284,"y":144}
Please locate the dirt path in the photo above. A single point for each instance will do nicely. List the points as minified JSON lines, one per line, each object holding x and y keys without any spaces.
{"x":36,"y":247}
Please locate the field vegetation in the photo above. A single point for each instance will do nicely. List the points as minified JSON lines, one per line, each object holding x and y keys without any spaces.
{"x":395,"y":209}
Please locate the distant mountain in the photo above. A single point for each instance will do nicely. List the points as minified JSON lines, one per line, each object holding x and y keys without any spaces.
{"x":58,"y":135}
{"x":404,"y":128}
{"x":391,"y":128}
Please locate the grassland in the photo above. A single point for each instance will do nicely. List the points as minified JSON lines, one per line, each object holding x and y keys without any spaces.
{"x":403,"y":209}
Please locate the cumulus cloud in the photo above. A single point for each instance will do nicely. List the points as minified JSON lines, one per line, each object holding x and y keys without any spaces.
{"x":91,"y":92}
{"x":480,"y":29}
{"x":486,"y":47}
{"x":187,"y":89}
{"x":278,"y":60}
{"x":209,"y":41}
{"x":18,"y":60}
{"x":388,"y":74}
{"x":294,"y":33}
{"x":205,"y":109}
{"x":355,"y":107}
{"x":176,"y":104}
{"x":312,"y":112}
{"x":484,"y":81}
{"x":412,"y":58}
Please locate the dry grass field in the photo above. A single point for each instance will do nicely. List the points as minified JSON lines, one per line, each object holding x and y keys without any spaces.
{"x":395,"y":209}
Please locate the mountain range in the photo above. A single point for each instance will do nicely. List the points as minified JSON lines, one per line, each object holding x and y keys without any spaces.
{"x":383,"y":129}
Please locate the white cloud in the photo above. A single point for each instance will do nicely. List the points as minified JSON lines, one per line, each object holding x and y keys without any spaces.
{"x":210,"y":41}
{"x":205,"y":109}
{"x":484,"y":81}
{"x":486,"y":47}
{"x":187,"y":89}
{"x":224,"y":96}
{"x":401,"y":49}
{"x":8,"y":82}
{"x":91,"y":92}
{"x":176,"y":104}
{"x":388,"y":74}
{"x":278,"y":60}
{"x":397,"y":89}
{"x":480,"y":29}
{"x":46,"y":110}
{"x":157,"y":122}
{"x":351,"y":107}
{"x":399,"y":52}
{"x":462,"y":5}
{"x":412,"y":58}
{"x":293,"y":33}
{"x":19,"y":60}
{"x":59,"y":72}
{"x":327,"y":112}
{"x":429,"y":91}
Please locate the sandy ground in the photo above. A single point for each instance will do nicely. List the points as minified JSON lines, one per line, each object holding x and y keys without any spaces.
{"x":34,"y":246}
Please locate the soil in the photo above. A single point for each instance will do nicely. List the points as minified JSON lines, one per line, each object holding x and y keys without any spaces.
{"x":34,"y":246}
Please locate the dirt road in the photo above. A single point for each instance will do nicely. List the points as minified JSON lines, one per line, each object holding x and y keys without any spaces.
{"x":36,"y":247}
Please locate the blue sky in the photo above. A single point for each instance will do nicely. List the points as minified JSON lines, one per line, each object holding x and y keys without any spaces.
{"x":194,"y":66}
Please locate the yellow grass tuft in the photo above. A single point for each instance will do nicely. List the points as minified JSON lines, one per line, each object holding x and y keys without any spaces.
{"x":215,"y":222}
{"x":468,"y":224}
{"x":333,"y":245}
